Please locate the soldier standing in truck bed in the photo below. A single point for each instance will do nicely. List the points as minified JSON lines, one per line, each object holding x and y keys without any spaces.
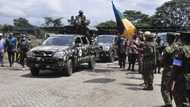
{"x":81,"y":22}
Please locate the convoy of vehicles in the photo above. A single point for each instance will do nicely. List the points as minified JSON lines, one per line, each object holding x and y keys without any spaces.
{"x":106,"y":47}
{"x":63,"y":52}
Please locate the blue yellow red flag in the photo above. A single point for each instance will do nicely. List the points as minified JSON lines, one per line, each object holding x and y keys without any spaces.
{"x":124,"y":26}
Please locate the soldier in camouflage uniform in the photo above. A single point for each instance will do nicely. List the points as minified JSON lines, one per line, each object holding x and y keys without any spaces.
{"x":148,"y":61}
{"x":167,"y":57}
{"x":181,"y":72}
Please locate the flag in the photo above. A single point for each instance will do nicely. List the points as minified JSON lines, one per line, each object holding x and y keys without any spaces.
{"x":124,"y":26}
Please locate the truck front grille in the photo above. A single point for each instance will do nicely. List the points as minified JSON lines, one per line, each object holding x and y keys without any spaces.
{"x":43,"y":54}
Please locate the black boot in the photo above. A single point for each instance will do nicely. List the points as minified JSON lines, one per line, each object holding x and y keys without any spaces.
{"x":133,"y":66}
{"x":129,"y":68}
{"x":150,"y":87}
{"x":167,"y":105}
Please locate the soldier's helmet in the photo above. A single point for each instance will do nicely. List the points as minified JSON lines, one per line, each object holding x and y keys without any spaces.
{"x":148,"y":35}
{"x":80,"y":12}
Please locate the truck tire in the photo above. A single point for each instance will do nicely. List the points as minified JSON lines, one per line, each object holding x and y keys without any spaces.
{"x":75,"y":64}
{"x":34,"y":71}
{"x":68,"y":68}
{"x":92,"y":63}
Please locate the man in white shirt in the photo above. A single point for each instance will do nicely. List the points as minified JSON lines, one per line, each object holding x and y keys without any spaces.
{"x":2,"y":46}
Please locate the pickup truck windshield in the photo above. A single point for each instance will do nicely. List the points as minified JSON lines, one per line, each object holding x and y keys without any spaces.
{"x":59,"y":41}
{"x":105,"y":39}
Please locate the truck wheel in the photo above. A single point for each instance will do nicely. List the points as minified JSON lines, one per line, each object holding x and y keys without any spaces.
{"x":91,"y":63}
{"x":75,"y":64}
{"x":34,"y":71}
{"x":68,"y":68}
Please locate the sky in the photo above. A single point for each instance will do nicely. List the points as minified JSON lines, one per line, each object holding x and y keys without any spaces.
{"x":96,"y":10}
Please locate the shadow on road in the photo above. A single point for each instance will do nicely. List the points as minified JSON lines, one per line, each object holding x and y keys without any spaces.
{"x":52,"y":74}
{"x":129,"y":84}
{"x":100,"y":80}
{"x":158,"y":85}
{"x":44,"y":75}
{"x":117,"y":68}
{"x":103,"y":61}
{"x":137,"y":78}
{"x":103,"y":70}
{"x":158,"y":106}
{"x":134,"y":87}
{"x":132,"y":72}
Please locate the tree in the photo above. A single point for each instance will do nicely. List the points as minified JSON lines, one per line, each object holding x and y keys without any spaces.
{"x":57,"y":22}
{"x":21,"y":23}
{"x":173,"y":13}
{"x":138,"y":18}
{"x":1,"y":28}
{"x":7,"y":28}
{"x":50,"y":22}
{"x":107,"y":24}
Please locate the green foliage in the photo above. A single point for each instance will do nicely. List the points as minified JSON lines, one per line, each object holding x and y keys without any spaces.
{"x":22,"y":23}
{"x":138,"y":18}
{"x":173,"y":13}
{"x":109,"y":24}
{"x":51,"y":22}
{"x":6,"y":28}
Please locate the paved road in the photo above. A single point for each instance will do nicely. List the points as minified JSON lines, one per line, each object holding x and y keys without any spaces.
{"x":106,"y":87}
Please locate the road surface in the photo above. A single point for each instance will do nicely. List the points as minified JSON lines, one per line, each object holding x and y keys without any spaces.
{"x":107,"y":86}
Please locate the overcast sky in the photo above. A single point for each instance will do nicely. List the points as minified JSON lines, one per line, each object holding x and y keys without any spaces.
{"x":96,"y":10}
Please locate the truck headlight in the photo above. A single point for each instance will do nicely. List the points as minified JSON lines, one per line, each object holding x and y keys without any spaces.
{"x":59,"y":55}
{"x":30,"y":54}
{"x":106,"y":48}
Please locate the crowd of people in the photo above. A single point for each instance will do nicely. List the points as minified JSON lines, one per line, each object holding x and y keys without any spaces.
{"x":146,"y":49}
{"x":16,"y":48}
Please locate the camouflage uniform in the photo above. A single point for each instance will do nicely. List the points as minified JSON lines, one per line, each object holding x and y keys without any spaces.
{"x":181,"y":73}
{"x":166,"y":75}
{"x":81,"y":23}
{"x":148,"y":62}
{"x":166,"y":60}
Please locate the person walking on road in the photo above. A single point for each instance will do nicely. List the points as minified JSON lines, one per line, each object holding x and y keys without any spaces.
{"x":11,"y":43}
{"x":23,"y":46}
{"x":2,"y":46}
